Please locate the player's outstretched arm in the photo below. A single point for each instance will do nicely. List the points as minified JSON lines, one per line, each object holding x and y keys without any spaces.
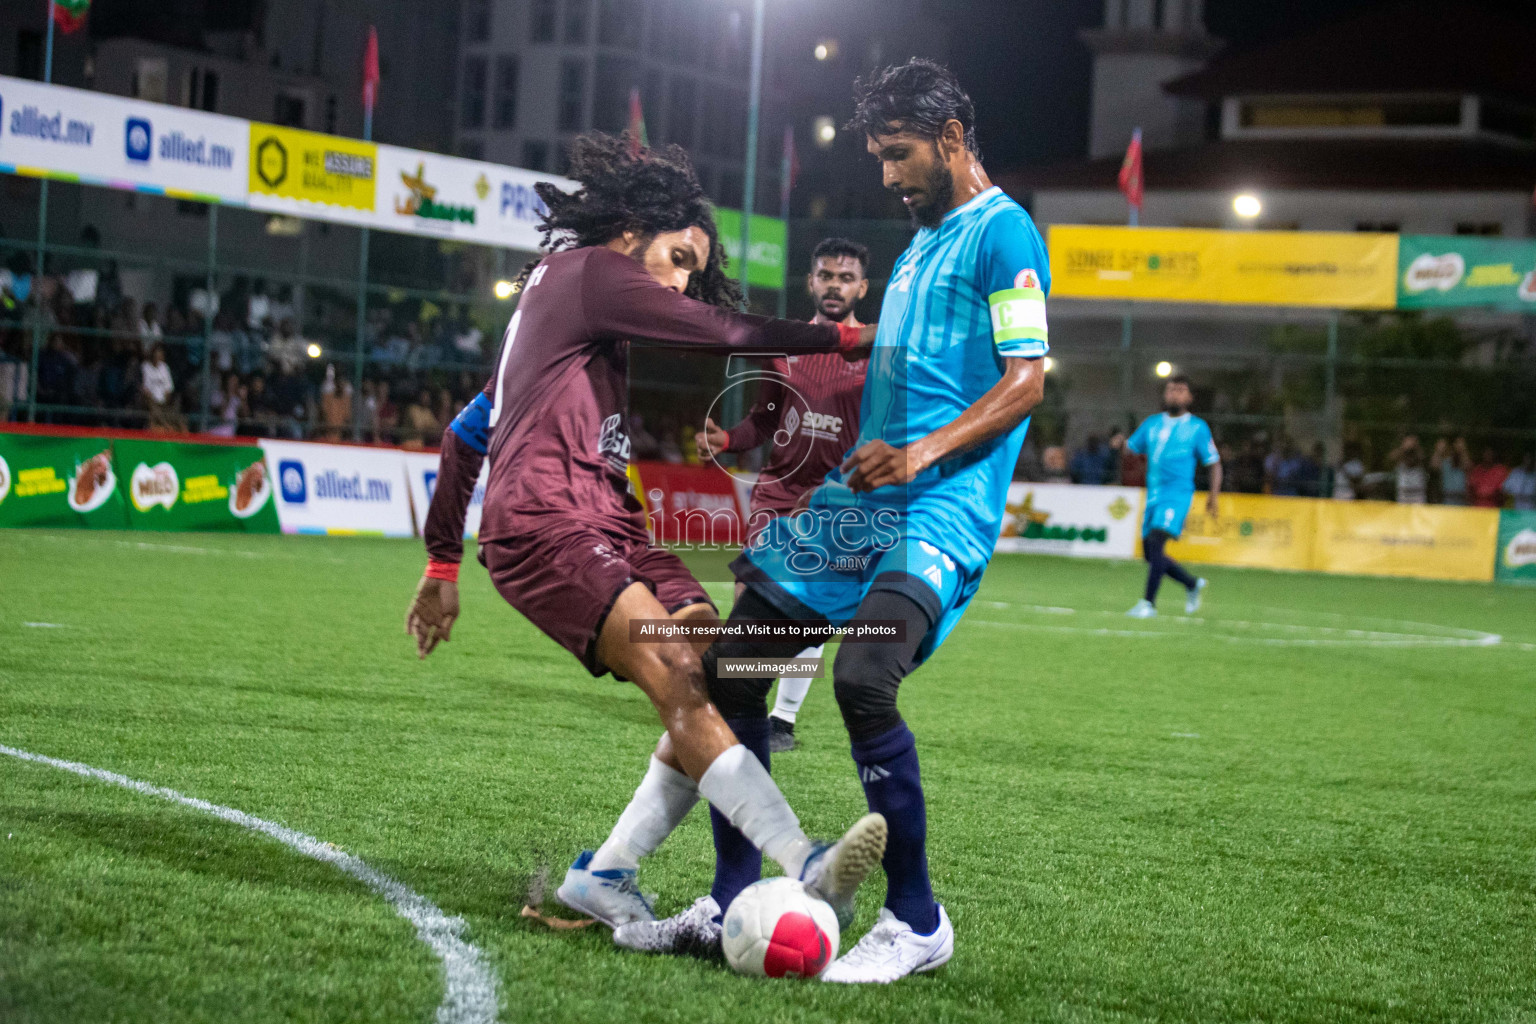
{"x":1004,"y":406}
{"x":1212,"y":499}
{"x":435,"y":606}
{"x":621,"y":300}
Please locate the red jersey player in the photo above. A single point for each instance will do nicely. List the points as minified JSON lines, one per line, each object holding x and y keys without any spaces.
{"x":636,"y":251}
{"x":808,"y":406}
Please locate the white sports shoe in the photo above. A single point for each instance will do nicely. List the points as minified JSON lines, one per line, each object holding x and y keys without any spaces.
{"x":891,"y":950}
{"x":611,"y":897}
{"x":1144,"y":610}
{"x":835,"y":872}
{"x":1192,"y":601}
{"x":694,"y":932}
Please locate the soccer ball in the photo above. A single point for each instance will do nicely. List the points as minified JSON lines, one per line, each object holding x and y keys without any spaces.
{"x":777,"y":929}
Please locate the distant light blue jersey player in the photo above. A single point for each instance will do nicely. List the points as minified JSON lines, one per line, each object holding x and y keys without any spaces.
{"x":902,"y":531}
{"x":1175,"y":442}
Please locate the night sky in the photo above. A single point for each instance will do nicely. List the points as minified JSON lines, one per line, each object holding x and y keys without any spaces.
{"x":1029,"y":73}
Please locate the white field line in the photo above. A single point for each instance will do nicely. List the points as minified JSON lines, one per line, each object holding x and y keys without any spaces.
{"x":43,"y":625}
{"x":187,"y":549}
{"x":469,"y":983}
{"x":1379,"y":640}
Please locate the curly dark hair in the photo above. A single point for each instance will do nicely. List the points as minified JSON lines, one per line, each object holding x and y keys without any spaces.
{"x":649,"y":193}
{"x":920,"y":96}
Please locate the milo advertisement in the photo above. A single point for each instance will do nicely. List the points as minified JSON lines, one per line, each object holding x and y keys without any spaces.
{"x":1517,"y":548}
{"x":1445,"y":271}
{"x":174,"y":486}
{"x":59,"y":481}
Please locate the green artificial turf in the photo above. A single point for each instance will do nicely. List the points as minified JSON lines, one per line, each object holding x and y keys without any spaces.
{"x":1318,"y":803}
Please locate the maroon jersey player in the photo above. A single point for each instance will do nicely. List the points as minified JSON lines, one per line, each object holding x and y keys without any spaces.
{"x":808,"y":408}
{"x":564,"y":540}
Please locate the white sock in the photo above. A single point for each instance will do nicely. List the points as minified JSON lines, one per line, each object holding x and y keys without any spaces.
{"x":792,"y":689}
{"x":662,"y":800}
{"x":741,"y":789}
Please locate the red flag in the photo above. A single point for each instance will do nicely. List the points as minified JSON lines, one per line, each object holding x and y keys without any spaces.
{"x":1131,"y":182}
{"x":789,"y":169}
{"x":371,"y":70}
{"x":69,"y":15}
{"x":638,"y":140}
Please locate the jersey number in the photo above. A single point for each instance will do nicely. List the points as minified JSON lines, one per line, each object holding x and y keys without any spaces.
{"x":501,"y":366}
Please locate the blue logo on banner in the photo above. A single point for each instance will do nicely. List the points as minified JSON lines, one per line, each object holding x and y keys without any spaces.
{"x":430,"y":477}
{"x":137,"y":141}
{"x":290,"y":472}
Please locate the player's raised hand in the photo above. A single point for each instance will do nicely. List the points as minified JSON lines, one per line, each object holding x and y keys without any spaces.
{"x":877,"y":464}
{"x":432,"y":613}
{"x":711,"y":440}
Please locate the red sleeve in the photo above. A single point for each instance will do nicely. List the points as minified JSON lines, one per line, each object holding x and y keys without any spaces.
{"x":763,"y":419}
{"x":622,"y":301}
{"x":458,"y":469}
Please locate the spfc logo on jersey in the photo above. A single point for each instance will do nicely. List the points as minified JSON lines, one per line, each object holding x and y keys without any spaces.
{"x":1027,"y":278}
{"x":613,"y":441}
{"x":902,"y":282}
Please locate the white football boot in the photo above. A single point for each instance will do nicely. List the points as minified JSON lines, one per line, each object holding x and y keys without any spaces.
{"x":612,"y":896}
{"x":1192,"y":600}
{"x":891,"y":951}
{"x":1144,"y":610}
{"x":694,"y":932}
{"x":835,"y":872}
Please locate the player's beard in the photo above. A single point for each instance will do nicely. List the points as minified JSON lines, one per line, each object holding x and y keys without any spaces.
{"x":940,"y":192}
{"x":844,"y":309}
{"x":1175,"y":409}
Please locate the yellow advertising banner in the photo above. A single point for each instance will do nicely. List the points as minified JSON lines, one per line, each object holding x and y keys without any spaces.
{"x":1378,"y":538}
{"x":293,"y":164}
{"x":1253,"y":530}
{"x":1345,"y":270}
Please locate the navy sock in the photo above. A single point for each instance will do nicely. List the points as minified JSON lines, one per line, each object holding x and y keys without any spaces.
{"x":1157,"y":562}
{"x":737,"y":862}
{"x":893,"y":787}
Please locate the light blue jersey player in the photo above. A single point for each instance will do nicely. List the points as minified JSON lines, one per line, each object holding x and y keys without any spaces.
{"x":898,"y":537}
{"x":1175,"y":442}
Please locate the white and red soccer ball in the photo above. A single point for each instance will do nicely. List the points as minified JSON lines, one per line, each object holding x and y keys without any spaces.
{"x":776,"y":929}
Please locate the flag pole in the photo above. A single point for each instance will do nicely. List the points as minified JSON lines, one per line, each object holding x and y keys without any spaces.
{"x":370,"y":93}
{"x":786,"y":184}
{"x":42,"y":248}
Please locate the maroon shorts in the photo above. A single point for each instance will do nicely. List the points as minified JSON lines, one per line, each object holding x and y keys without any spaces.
{"x":564,"y":575}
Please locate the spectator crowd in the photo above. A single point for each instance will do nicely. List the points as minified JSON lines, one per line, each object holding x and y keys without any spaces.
{"x":1446,"y":474}
{"x":109,"y":360}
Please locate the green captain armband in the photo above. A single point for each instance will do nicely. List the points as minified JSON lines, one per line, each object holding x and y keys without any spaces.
{"x":1018,"y":322}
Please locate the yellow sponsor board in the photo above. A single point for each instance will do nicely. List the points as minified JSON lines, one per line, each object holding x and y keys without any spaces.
{"x":1344,"y":270}
{"x":1378,"y":538}
{"x":309,"y":166}
{"x":1252,"y":530}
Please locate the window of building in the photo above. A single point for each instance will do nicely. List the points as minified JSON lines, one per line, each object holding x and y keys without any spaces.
{"x":536,"y":155}
{"x":1386,"y":227}
{"x":150,"y":75}
{"x":1480,"y":227}
{"x":472,"y":103}
{"x":730,"y":189}
{"x":563,"y":158}
{"x":578,"y":21}
{"x":288,"y":110}
{"x":610,"y":102}
{"x":675,"y":26}
{"x":1325,"y":114}
{"x":472,"y":149}
{"x":682,"y":111}
{"x":477,"y":17}
{"x":620,"y":23}
{"x":571,"y":107}
{"x":29,"y":54}
{"x":504,"y":110}
{"x":1507,"y":119}
{"x":330,"y":113}
{"x":200,"y":89}
{"x":541,"y":21}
